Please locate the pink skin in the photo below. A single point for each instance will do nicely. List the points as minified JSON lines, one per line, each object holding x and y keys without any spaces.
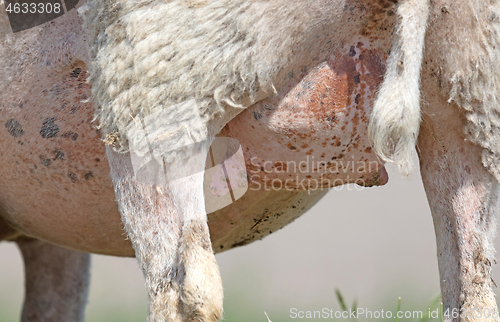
{"x":73,"y":157}
{"x":53,"y":151}
{"x":314,"y":132}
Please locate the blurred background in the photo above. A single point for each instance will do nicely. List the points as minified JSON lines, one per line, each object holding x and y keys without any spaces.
{"x":375,"y":245}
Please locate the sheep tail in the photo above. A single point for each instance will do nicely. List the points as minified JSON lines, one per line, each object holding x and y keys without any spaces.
{"x":395,"y":119}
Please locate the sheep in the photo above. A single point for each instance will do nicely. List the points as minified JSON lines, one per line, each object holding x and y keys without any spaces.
{"x":289,"y":81}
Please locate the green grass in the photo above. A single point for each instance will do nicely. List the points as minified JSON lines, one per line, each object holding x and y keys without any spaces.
{"x":240,"y":311}
{"x":434,"y":304}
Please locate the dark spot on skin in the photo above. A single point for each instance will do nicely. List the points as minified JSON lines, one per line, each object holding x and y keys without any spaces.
{"x":59,"y":155}
{"x":76,"y":72}
{"x":293,"y":148}
{"x":376,"y":180}
{"x":70,"y":134}
{"x":257,"y":116}
{"x":304,"y":69}
{"x":49,"y":129}
{"x":88,"y":175}
{"x":15,"y":129}
{"x":331,"y":118}
{"x":356,"y":100}
{"x":289,"y":75}
{"x":44,"y":160}
{"x":307,"y":84}
{"x":386,"y":5}
{"x":56,"y":91}
{"x":299,"y":94}
{"x":72,"y":176}
{"x":356,"y":79}
{"x":352,"y":51}
{"x":97,"y":160}
{"x":244,"y":242}
{"x":74,"y":108}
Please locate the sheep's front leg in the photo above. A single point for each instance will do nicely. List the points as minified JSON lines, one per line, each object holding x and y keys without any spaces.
{"x":463,"y":198}
{"x":167,"y":225}
{"x":56,"y":284}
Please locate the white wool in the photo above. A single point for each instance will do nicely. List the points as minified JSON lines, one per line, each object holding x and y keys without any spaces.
{"x":476,"y":85}
{"x":145,"y":55}
{"x":395,"y":118}
{"x":465,"y":44}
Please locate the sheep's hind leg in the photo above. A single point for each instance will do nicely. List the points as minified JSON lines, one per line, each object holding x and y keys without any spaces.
{"x":167,"y":225}
{"x":463,"y":198}
{"x":56,"y":284}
